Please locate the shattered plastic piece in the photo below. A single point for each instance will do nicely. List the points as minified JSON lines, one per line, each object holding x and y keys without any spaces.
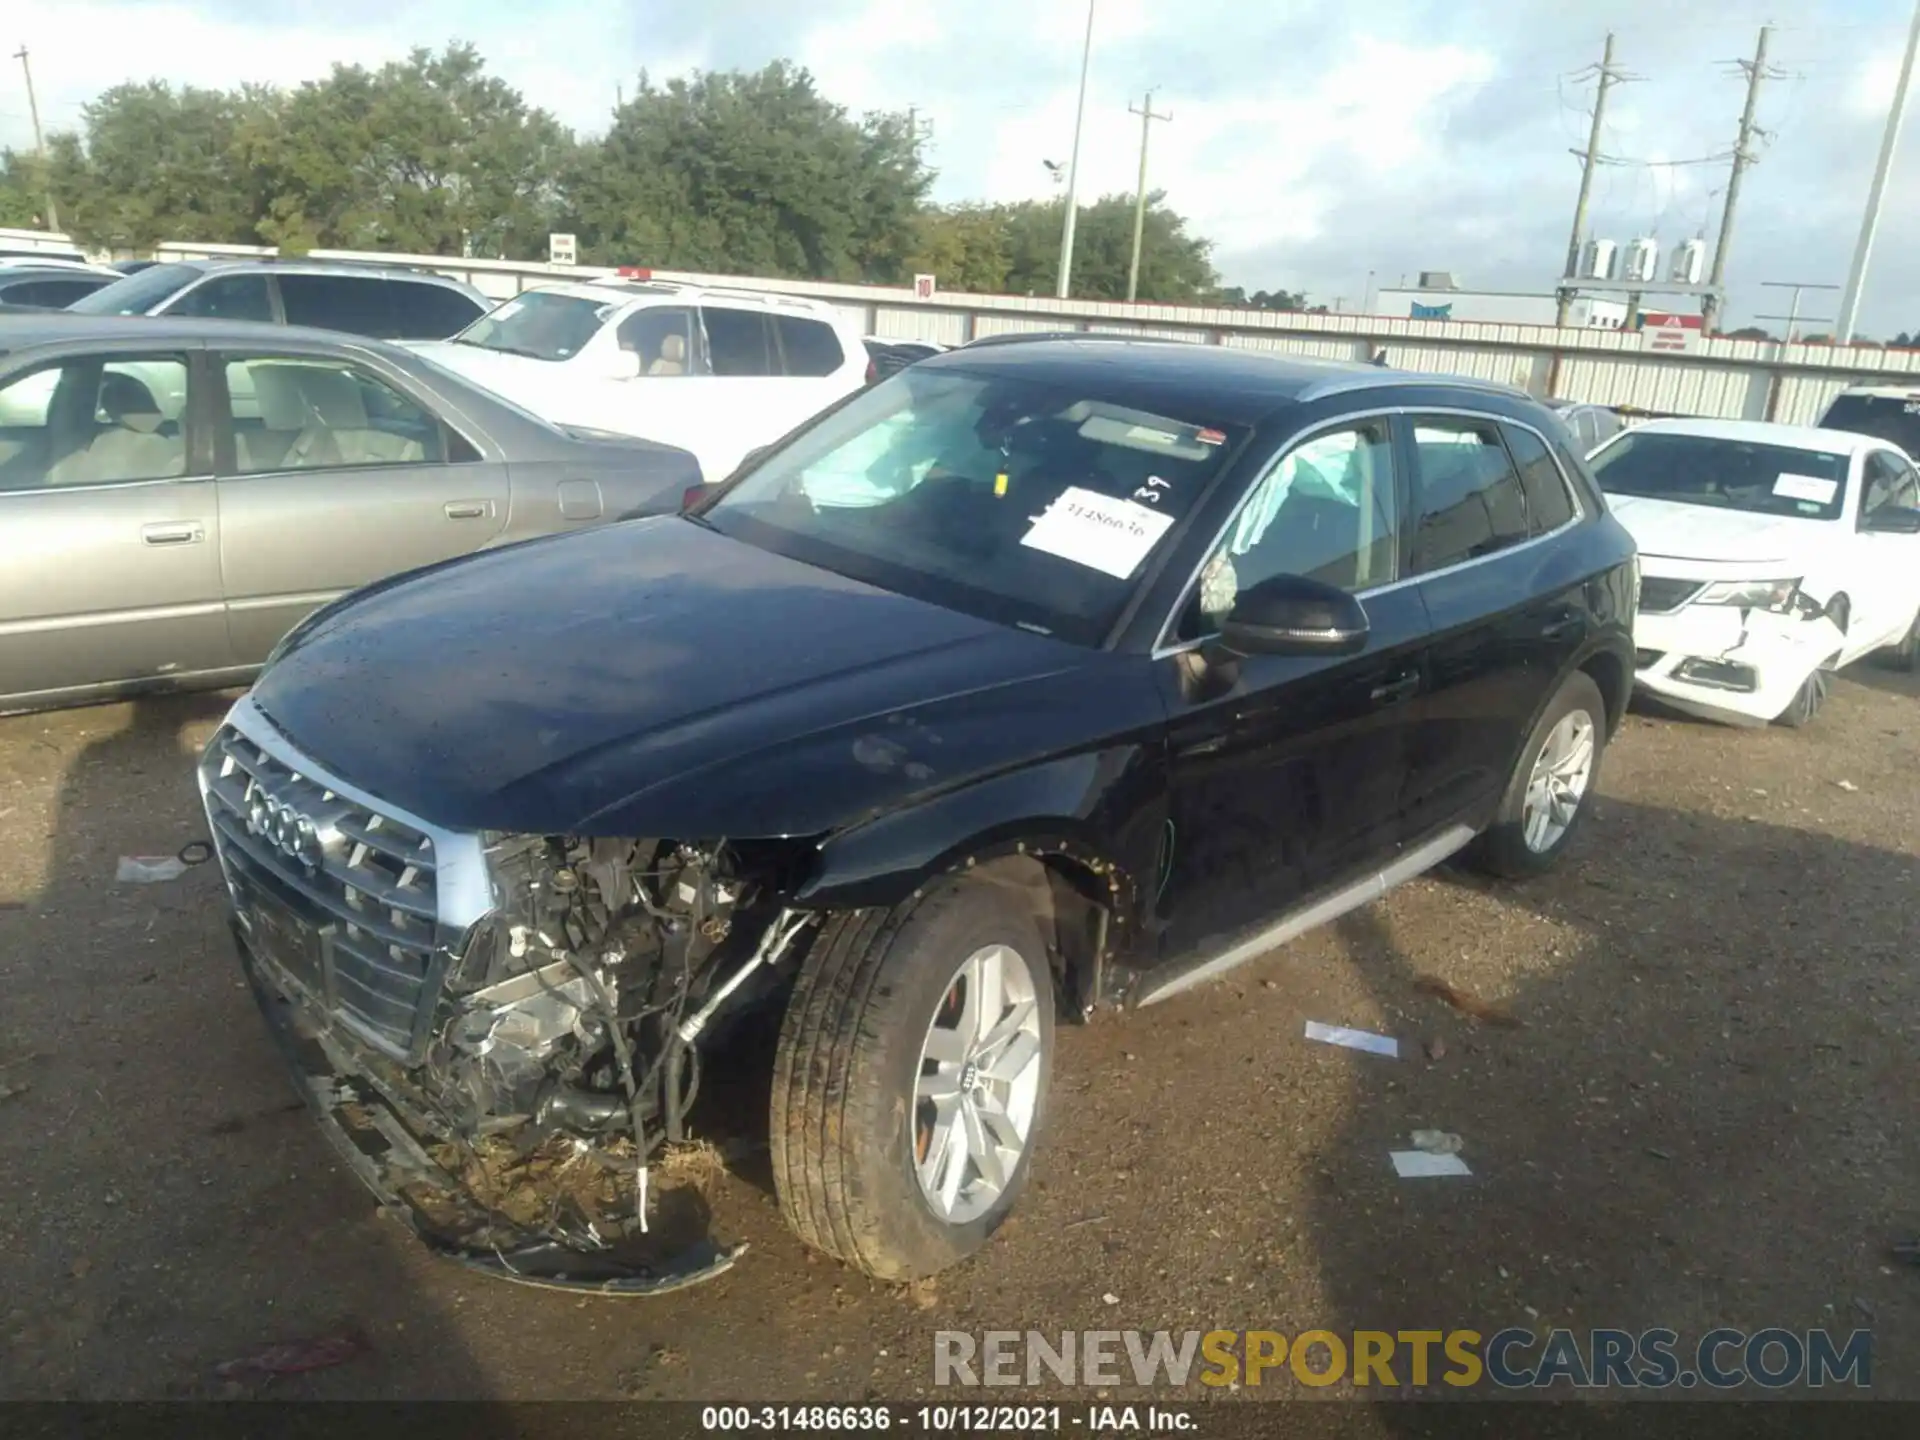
{"x":1109,"y":1299}
{"x":1846,"y":785}
{"x":295,"y":1357}
{"x":1420,"y":1165}
{"x":1437,"y":1142}
{"x":1465,"y":1001}
{"x":1354,"y":1039}
{"x":149,"y":869}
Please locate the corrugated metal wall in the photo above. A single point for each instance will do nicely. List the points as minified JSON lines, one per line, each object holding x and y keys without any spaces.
{"x":1732,"y":379}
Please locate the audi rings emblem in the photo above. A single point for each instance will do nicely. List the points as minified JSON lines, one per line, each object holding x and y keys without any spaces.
{"x":294,"y":835}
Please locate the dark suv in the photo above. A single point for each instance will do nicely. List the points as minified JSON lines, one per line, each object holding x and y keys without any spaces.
{"x":1039,"y":677}
{"x":383,"y":302}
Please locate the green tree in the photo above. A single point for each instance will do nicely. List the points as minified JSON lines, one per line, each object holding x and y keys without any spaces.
{"x":963,"y":246}
{"x":756,"y":173}
{"x":152,"y":163}
{"x":23,"y":191}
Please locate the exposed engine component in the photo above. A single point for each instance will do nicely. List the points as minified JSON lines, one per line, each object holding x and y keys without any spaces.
{"x":563,"y":1061}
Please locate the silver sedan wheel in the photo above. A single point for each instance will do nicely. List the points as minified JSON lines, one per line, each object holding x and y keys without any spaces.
{"x":978,"y":1085}
{"x":1561,"y":772}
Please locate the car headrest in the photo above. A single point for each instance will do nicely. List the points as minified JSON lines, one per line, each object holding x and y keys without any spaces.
{"x":129,"y":403}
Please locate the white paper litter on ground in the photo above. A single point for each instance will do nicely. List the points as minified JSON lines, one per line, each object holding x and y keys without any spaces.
{"x":149,"y":869}
{"x":1354,"y":1039}
{"x":1098,"y":531}
{"x":1421,"y":1165}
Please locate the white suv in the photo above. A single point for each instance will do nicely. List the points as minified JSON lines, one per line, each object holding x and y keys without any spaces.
{"x":715,"y":371}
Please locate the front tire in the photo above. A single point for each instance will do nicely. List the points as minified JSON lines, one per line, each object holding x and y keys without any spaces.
{"x":1807,"y":700}
{"x":911,"y":1079}
{"x":1546,"y":797}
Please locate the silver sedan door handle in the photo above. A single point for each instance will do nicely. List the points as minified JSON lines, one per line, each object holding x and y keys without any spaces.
{"x":469,"y":509}
{"x":184,"y":532}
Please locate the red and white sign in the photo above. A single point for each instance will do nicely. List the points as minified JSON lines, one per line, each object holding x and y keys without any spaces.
{"x":1654,"y":320}
{"x":923,"y":287}
{"x":1670,"y":339}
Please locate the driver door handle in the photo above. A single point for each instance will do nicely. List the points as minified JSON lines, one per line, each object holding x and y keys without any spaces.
{"x":182,"y":532}
{"x":469,"y":509}
{"x":1401,"y":687}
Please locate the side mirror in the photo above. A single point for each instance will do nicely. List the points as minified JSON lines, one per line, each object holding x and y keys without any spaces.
{"x":1292,"y":615}
{"x":1892,"y":520}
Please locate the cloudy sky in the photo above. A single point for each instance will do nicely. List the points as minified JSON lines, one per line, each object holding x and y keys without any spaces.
{"x":1316,"y":141}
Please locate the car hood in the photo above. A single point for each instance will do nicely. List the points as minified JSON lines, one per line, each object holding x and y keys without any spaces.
{"x":1672,"y":530}
{"x":479,"y":363}
{"x":655,"y":678}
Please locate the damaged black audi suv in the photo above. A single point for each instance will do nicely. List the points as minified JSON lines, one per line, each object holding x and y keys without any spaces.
{"x":1044,"y":676}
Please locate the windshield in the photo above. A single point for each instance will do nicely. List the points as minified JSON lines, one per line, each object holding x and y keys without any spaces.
{"x":541,"y":324}
{"x":1016,"y":501}
{"x":1894,"y":418}
{"x":138,"y":293}
{"x":1727,"y":474}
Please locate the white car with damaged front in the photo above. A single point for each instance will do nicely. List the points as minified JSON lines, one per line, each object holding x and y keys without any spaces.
{"x":1771,"y":557}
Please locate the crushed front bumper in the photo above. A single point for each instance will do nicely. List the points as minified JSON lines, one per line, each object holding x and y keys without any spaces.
{"x":384,"y":1140}
{"x":1739,"y":667}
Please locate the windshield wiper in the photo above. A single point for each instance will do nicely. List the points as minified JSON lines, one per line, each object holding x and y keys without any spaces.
{"x":503,"y":349}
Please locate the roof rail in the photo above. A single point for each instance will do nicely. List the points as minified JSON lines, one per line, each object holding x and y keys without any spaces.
{"x":1018,"y":337}
{"x":1368,"y":377}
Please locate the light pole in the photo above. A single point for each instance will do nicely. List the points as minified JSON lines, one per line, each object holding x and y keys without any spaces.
{"x":1863,"y":250}
{"x":1073,"y":165}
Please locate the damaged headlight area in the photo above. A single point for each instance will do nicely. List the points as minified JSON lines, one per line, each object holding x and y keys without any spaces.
{"x":1782,"y":597}
{"x":546,"y":1133}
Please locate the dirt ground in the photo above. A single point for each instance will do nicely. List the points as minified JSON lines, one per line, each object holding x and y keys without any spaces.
{"x":1707,"y":1116}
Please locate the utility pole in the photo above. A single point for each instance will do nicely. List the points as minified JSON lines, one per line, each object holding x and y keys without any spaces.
{"x":1073,"y":166}
{"x":1792,"y":317}
{"x":1147,"y":117}
{"x":39,"y":145}
{"x":1588,"y":159}
{"x":1863,"y":249}
{"x":1743,"y":156}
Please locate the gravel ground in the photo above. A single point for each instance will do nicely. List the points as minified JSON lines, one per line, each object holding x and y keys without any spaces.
{"x":1706,"y":1117}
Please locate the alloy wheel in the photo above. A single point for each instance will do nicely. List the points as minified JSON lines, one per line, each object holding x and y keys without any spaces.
{"x":1561,"y":773}
{"x":978,"y":1085}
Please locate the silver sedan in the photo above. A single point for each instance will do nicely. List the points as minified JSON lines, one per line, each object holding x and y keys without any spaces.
{"x":175,"y":495}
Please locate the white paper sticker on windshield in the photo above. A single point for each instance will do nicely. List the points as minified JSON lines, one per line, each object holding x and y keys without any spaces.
{"x":1098,"y":531}
{"x":1805,"y":487}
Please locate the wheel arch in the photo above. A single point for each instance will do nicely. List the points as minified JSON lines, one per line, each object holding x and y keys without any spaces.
{"x":1044,"y":839}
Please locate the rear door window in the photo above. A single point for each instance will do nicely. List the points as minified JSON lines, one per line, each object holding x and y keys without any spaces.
{"x":56,"y":294}
{"x":1470,"y":502}
{"x":809,"y":347}
{"x":737,"y":341}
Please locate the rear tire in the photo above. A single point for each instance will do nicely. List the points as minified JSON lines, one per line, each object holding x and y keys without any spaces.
{"x":1905,"y":655}
{"x":880,"y":1060}
{"x":1547,"y":796}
